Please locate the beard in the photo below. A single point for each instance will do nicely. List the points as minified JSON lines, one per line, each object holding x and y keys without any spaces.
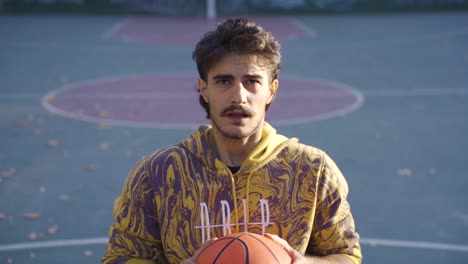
{"x":237,"y":134}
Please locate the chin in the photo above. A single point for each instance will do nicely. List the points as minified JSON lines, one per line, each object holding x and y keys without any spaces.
{"x":233,"y":134}
{"x":232,"y":130}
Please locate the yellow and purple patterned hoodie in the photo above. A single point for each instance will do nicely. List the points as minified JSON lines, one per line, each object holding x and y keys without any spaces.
{"x":180,"y":196}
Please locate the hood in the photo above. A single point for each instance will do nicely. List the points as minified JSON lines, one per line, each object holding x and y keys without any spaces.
{"x":270,"y":145}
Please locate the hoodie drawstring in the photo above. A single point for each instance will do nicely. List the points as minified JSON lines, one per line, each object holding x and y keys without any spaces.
{"x":247,"y":205}
{"x":234,"y":194}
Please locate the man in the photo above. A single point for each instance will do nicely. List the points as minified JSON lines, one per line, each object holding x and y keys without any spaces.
{"x":237,"y":175}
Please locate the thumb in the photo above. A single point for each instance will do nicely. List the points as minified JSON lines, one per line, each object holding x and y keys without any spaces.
{"x":295,"y":255}
{"x":205,"y":245}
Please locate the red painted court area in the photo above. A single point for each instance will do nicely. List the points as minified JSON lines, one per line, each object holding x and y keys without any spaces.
{"x":158,"y":30}
{"x":171,"y":101}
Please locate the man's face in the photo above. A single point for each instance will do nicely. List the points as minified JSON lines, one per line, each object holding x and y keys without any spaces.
{"x":238,"y":88}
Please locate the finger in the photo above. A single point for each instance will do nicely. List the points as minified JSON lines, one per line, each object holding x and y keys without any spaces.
{"x":193,"y":258}
{"x":205,"y":245}
{"x":279,"y":241}
{"x":295,"y":255}
{"x":272,"y":236}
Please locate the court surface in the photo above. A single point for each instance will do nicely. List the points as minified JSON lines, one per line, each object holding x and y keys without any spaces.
{"x":82,"y":98}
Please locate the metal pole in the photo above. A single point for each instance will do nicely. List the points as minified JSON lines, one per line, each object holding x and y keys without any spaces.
{"x":211,"y":9}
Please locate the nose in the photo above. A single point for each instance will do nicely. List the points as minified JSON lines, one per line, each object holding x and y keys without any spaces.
{"x":239,"y":94}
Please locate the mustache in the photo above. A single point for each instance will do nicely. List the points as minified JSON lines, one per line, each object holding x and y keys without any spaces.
{"x":231,"y":108}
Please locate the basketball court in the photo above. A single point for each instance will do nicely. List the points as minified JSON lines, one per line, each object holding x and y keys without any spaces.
{"x":82,"y":98}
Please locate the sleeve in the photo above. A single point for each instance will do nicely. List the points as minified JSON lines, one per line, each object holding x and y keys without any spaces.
{"x":134,"y":236}
{"x":333,"y":230}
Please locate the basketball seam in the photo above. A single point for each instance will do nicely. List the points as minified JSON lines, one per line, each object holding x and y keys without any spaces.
{"x":234,"y":239}
{"x":272,"y":253}
{"x":243,"y":244}
{"x":206,"y":248}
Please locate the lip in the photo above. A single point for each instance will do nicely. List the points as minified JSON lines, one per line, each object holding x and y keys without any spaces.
{"x":236,"y":117}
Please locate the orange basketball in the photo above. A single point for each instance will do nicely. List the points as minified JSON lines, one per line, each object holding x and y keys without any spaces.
{"x":243,"y":248}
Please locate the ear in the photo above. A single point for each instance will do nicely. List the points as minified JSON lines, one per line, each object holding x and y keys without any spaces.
{"x":273,"y":88}
{"x":203,"y":89}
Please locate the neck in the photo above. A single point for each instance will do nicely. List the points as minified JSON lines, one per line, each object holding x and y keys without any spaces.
{"x":233,"y":152}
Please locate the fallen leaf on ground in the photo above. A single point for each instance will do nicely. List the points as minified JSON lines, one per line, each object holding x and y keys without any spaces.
{"x":8,"y":173}
{"x":104,"y":126}
{"x":88,"y":253}
{"x":22,"y":123}
{"x":50,"y":99}
{"x":91,"y":167}
{"x":405,"y":172}
{"x":64,"y":197}
{"x":32,"y":216}
{"x":53,"y":143}
{"x":52,"y":230}
{"x":104,"y":146}
{"x":35,"y":235}
{"x":102,"y":113}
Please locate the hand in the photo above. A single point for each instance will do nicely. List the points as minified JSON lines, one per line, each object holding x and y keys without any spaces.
{"x":297,"y":258}
{"x":192,"y":259}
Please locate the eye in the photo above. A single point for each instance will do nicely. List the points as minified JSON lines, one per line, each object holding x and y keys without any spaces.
{"x":252,"y":81}
{"x":222,"y":82}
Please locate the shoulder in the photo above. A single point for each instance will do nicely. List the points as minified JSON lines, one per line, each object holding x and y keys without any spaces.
{"x":295,"y":149}
{"x":323,"y":164}
{"x":311,"y":152}
{"x":163,"y":155}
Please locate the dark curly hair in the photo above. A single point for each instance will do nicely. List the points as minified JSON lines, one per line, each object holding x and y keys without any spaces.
{"x":236,"y":36}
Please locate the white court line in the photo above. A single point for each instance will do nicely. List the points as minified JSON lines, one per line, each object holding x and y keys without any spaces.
{"x":54,"y":244}
{"x":413,"y":244}
{"x":115,"y":29}
{"x":416,"y":92}
{"x":364,"y":241}
{"x":303,"y":27}
{"x":163,"y":95}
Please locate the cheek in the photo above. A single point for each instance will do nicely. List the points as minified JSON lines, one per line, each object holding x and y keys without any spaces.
{"x":262,"y":101}
{"x":214,"y":105}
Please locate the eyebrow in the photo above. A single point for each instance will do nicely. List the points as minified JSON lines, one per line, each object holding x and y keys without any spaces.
{"x":231,"y":77}
{"x":223,"y":77}
{"x":253,"y":76}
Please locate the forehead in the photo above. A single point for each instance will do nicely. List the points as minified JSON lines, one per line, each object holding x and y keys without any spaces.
{"x":240,"y":64}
